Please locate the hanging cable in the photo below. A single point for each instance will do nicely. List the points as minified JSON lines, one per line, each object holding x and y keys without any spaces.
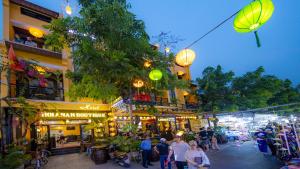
{"x":213,"y":29}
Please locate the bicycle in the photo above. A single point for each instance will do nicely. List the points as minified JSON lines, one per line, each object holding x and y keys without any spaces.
{"x":39,"y":159}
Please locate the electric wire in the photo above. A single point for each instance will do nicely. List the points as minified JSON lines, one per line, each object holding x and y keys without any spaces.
{"x":213,"y":29}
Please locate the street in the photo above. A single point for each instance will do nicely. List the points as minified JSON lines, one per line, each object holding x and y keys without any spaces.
{"x":230,"y":156}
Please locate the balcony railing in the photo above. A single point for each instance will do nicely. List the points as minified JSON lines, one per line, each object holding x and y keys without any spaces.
{"x":165,"y":102}
{"x":40,"y":51}
{"x":37,"y":92}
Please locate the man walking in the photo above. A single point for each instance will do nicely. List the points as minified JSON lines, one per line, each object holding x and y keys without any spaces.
{"x":204,"y":139}
{"x":146,"y":152}
{"x":179,"y":148}
{"x":163,"y":150}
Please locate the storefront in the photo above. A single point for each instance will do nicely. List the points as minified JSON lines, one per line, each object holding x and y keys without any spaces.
{"x":66,"y":128}
{"x":65,"y":124}
{"x":160,"y":123}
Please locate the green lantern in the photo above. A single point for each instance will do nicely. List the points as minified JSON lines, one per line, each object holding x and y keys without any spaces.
{"x":155,"y":74}
{"x":253,"y":16}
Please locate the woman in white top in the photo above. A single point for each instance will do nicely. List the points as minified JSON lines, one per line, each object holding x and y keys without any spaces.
{"x":196,"y":157}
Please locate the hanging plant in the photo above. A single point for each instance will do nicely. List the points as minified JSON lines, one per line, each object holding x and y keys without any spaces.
{"x":42,"y":81}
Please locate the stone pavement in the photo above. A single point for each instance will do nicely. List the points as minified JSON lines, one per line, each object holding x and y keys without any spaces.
{"x":230,"y":156}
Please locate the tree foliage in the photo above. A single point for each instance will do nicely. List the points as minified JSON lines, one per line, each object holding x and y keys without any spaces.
{"x":221,"y":91}
{"x":215,"y":89}
{"x":110,"y":46}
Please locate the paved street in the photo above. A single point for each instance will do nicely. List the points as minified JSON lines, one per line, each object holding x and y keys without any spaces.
{"x":230,"y":157}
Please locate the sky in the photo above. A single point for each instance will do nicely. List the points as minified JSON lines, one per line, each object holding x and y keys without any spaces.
{"x":190,"y":19}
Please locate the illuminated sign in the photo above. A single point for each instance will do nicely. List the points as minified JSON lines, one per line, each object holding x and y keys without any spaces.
{"x":89,"y":107}
{"x":166,"y":119}
{"x":74,"y":115}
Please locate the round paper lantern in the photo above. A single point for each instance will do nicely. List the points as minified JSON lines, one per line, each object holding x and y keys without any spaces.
{"x":167,"y":49}
{"x":253,"y":16}
{"x":68,"y":9}
{"x":138,"y":83}
{"x":36,"y":32}
{"x":185,"y":57}
{"x":155,"y":74}
{"x":147,"y":64}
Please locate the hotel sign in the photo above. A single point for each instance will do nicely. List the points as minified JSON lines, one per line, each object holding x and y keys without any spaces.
{"x":72,"y":115}
{"x":89,"y":107}
{"x":166,"y":119}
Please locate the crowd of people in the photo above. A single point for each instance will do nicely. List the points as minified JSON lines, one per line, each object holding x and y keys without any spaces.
{"x":189,"y":155}
{"x":277,"y":139}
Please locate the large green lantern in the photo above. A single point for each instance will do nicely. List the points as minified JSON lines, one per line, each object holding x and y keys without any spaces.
{"x":155,"y":74}
{"x":253,"y":16}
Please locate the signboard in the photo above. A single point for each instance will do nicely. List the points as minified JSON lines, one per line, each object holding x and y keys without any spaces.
{"x":72,"y":115}
{"x":90,"y":107}
{"x":166,"y":119}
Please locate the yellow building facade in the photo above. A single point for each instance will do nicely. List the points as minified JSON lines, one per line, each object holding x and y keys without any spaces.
{"x":35,"y":71}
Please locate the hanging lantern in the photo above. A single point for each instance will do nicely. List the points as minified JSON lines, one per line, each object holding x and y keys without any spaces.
{"x":167,"y":49}
{"x":68,"y":8}
{"x":147,"y":64}
{"x":185,"y":93}
{"x":40,"y":69}
{"x":155,"y":74}
{"x":253,"y":16}
{"x":36,"y":32}
{"x":185,"y":57}
{"x":138,"y":83}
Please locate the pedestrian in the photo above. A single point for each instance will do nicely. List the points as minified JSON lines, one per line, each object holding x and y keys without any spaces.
{"x":146,"y":151}
{"x":163,"y":150}
{"x":196,"y":157}
{"x":204,"y":140}
{"x":210,"y":133}
{"x":214,"y":143}
{"x":179,"y":148}
{"x":261,"y":140}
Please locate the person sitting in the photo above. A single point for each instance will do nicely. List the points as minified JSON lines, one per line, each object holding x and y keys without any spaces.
{"x":18,"y":39}
{"x":29,"y":42}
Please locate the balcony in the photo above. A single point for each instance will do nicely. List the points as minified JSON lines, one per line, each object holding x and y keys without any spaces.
{"x":145,"y":99}
{"x":31,"y":49}
{"x":37,"y":92}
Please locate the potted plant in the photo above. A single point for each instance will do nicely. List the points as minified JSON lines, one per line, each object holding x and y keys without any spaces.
{"x":14,"y":159}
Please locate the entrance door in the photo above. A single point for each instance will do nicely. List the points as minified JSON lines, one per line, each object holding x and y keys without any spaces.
{"x":43,"y":136}
{"x":86,"y":135}
{"x":65,"y":136}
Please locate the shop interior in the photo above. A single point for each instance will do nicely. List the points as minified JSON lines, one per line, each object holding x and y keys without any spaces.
{"x":62,"y":135}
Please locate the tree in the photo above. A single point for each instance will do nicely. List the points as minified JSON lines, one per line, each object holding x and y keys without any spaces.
{"x":215,"y":93}
{"x":110,"y":48}
{"x":256,"y":90}
{"x":285,"y":94}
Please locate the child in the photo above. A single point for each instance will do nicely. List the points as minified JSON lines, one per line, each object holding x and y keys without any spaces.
{"x":214,"y":143}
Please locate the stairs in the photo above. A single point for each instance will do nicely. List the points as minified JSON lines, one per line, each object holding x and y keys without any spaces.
{"x":66,"y":150}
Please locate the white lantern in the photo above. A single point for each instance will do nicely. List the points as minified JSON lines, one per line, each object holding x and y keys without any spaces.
{"x":185,"y":57}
